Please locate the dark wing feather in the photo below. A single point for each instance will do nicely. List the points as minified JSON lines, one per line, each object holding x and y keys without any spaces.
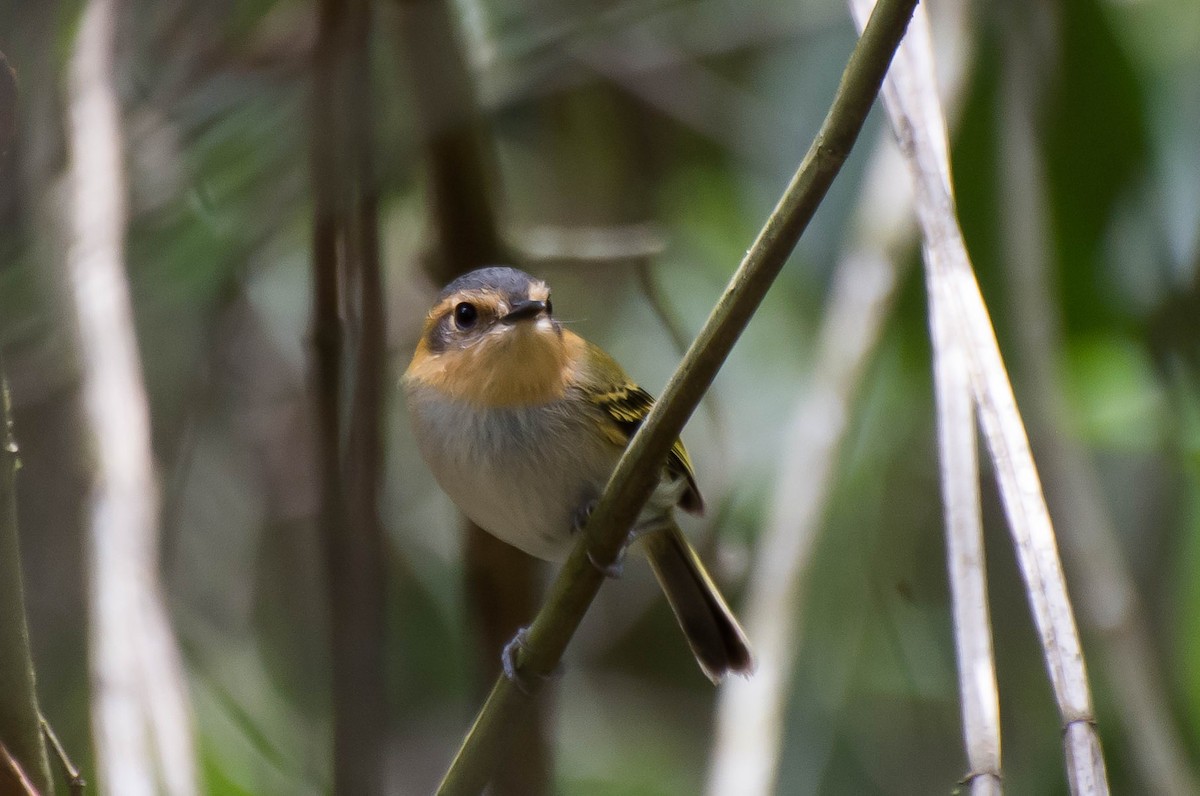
{"x":628,"y":405}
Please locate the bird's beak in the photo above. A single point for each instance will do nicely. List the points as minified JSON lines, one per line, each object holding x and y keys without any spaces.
{"x":523,"y":311}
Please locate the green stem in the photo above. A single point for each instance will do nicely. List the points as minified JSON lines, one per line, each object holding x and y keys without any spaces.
{"x":634,"y":478}
{"x":20,"y":725}
{"x":75,"y":781}
{"x":20,"y":728}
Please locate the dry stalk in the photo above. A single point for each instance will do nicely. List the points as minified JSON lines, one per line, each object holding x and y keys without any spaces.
{"x":915,"y":113}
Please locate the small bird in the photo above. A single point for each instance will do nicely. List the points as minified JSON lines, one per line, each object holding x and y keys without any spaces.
{"x":522,"y":421}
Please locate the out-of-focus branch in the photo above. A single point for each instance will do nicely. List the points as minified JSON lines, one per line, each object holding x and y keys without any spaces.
{"x":750,"y":717}
{"x":915,"y":113}
{"x":459,"y":172}
{"x":20,"y":732}
{"x":8,"y":109}
{"x":502,"y":582}
{"x":365,"y":543}
{"x":633,"y":480}
{"x":346,"y":258}
{"x":140,"y":712}
{"x":1111,"y":607}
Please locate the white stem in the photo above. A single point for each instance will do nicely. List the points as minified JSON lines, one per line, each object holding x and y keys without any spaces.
{"x":913,"y":108}
{"x":959,"y":463}
{"x":140,"y":714}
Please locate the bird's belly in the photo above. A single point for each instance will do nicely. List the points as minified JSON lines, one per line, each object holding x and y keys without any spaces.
{"x":522,"y":474}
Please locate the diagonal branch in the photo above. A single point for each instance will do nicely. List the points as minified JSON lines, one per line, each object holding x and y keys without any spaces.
{"x":12,"y":777}
{"x":750,"y":713}
{"x":750,"y":717}
{"x":70,"y":772}
{"x":634,"y":478}
{"x":749,"y":734}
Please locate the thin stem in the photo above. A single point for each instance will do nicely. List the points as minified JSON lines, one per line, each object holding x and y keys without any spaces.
{"x":18,"y":686}
{"x":11,"y":773}
{"x":19,"y":729}
{"x":914,"y":109}
{"x":959,"y":463}
{"x":75,"y":781}
{"x":633,"y":480}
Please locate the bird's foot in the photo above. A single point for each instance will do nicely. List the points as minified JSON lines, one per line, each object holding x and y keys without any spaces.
{"x":526,"y":684}
{"x":612,"y":570}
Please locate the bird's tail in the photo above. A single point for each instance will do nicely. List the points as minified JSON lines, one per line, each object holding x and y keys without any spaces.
{"x":712,"y":632}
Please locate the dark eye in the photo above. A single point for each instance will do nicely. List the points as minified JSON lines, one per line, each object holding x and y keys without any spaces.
{"x":465,"y":315}
{"x":549,"y":306}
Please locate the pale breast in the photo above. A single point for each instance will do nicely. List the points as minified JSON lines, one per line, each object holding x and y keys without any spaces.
{"x":520,"y":473}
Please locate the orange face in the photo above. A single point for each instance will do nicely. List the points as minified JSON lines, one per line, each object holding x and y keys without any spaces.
{"x":493,"y":345}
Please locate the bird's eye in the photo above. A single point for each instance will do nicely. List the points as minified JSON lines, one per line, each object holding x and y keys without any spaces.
{"x":549,"y":306}
{"x":465,"y":315}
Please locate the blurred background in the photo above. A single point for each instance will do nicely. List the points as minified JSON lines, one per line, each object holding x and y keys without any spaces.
{"x":626,"y":152}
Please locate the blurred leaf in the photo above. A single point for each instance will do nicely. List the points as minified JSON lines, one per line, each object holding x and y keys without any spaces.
{"x":1115,"y":402}
{"x":1095,"y":145}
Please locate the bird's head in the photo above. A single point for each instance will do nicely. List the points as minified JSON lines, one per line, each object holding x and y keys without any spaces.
{"x":491,"y":340}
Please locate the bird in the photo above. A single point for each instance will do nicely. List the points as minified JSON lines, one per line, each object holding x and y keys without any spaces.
{"x":522,"y":421}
